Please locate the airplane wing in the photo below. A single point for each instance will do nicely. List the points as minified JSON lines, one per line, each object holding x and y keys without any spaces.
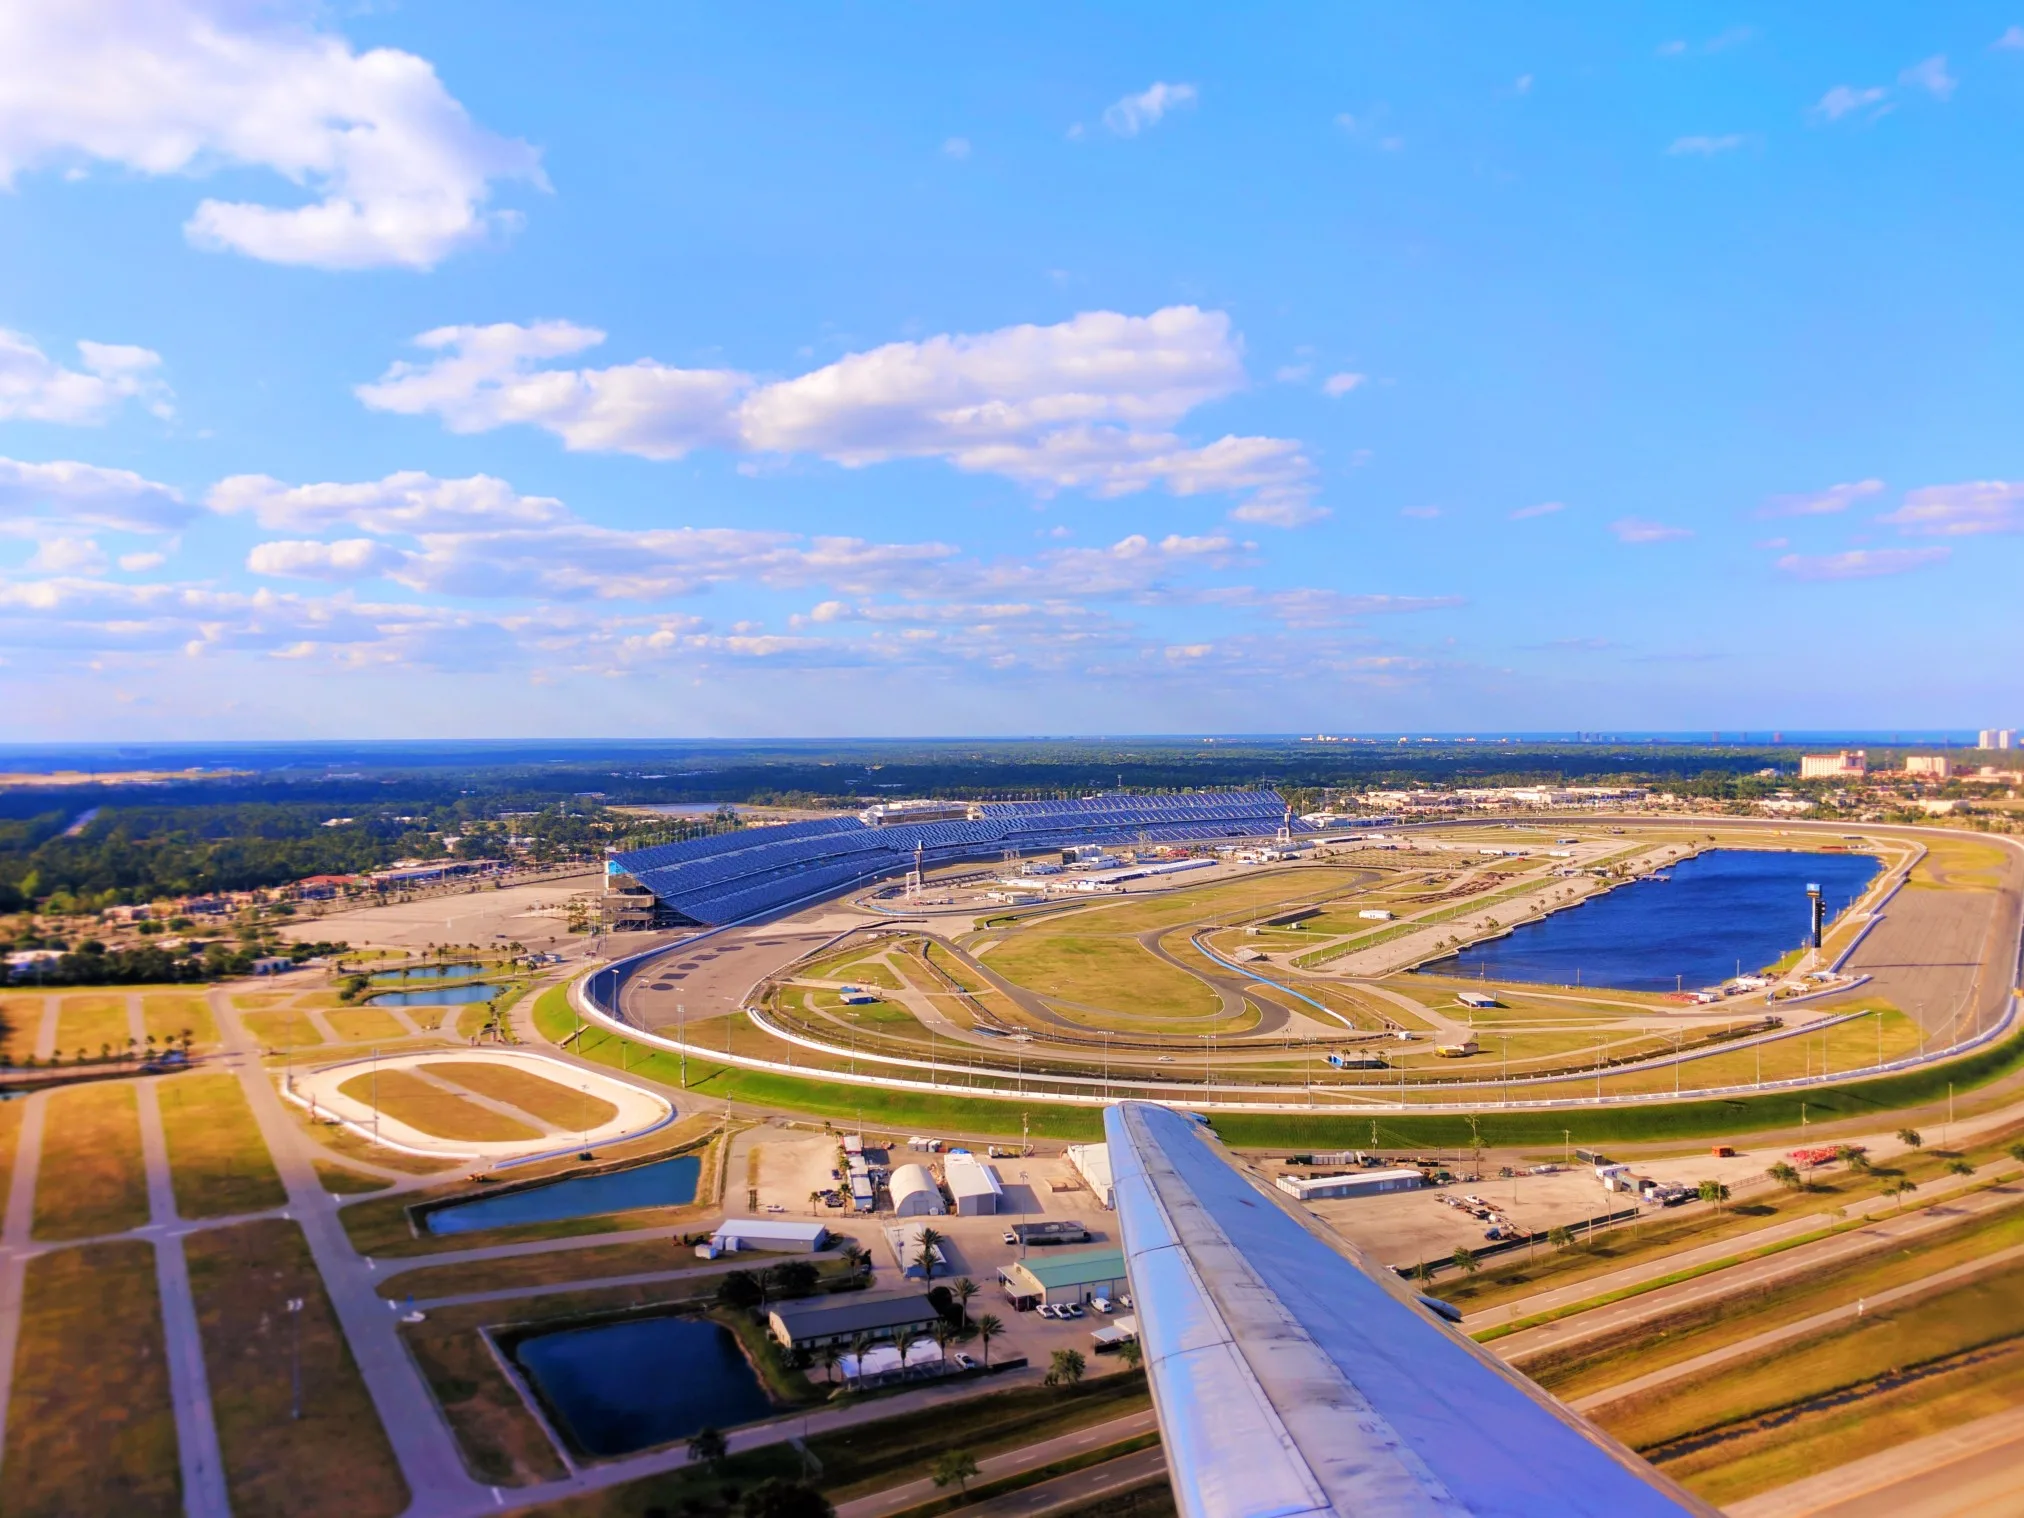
{"x":1290,"y":1376}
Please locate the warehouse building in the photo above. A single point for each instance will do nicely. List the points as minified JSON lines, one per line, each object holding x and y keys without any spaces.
{"x":1316,"y":1188}
{"x":769,"y":1233}
{"x":974,"y":1185}
{"x":813,"y":1323}
{"x":1092,"y":1163}
{"x":915,"y":1194}
{"x":1071,"y":1275}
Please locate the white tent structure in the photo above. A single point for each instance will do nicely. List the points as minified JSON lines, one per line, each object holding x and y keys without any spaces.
{"x":915,"y":1194}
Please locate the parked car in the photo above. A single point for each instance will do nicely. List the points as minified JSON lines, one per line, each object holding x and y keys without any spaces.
{"x":964,"y":1362}
{"x":1011,"y":1237}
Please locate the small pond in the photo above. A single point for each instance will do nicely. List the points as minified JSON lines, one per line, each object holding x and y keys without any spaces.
{"x":426,"y":972}
{"x":434,"y":996}
{"x":665,"y":1183}
{"x":1692,"y":924}
{"x":620,"y":1387}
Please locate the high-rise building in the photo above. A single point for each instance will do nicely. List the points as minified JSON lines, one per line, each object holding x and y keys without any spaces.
{"x":1841,"y":766}
{"x":1998,"y":737}
{"x":1935,"y":766}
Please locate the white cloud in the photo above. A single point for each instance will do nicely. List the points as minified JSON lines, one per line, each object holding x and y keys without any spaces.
{"x":347,"y":559}
{"x":85,"y":494}
{"x":1292,"y":374}
{"x":1707,"y":147}
{"x":956,"y":147}
{"x":141,"y":563}
{"x":1543,"y":509}
{"x":2011,"y":40}
{"x":1860,"y":563}
{"x":1930,"y":75}
{"x":1087,"y":404}
{"x":408,"y":502}
{"x":1338,"y":385}
{"x":1845,"y":99}
{"x":1420,"y":513}
{"x":1639,"y":530}
{"x":1967,"y":509}
{"x":1835,"y":498}
{"x":1133,"y":114}
{"x":1522,"y":85}
{"x":396,"y":172}
{"x":36,"y":388}
{"x":65,"y":556}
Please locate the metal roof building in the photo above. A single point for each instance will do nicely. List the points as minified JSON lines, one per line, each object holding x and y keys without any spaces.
{"x":974,"y":1185}
{"x":814,"y":1322}
{"x":1066,"y":1275}
{"x":1310,"y":1188}
{"x":915,"y":1194}
{"x":769,"y":1233}
{"x":1092,"y":1162}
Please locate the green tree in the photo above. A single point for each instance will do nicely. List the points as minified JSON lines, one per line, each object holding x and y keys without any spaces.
{"x":1902,"y":1187}
{"x":1959,"y":1166}
{"x":1911,"y":1138}
{"x":777,"y":1498}
{"x":989,"y":1326}
{"x":1714,"y":1193}
{"x":1465,"y":1259}
{"x":740,"y":1291}
{"x":832,"y":1352}
{"x":708,"y":1447}
{"x":1132,"y":1353}
{"x":904,"y":1339}
{"x":2017,"y":1151}
{"x":1787,"y":1176}
{"x":955,"y":1467}
{"x":1560,"y":1237}
{"x":963,"y":1290}
{"x":931,"y":1240}
{"x":1854,"y":1157}
{"x":1065,"y":1369}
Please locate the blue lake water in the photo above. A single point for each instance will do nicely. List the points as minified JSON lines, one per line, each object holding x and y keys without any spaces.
{"x":1718,"y":909}
{"x":426,"y":972}
{"x":665,"y":1183}
{"x":434,"y":996}
{"x":621,"y":1387}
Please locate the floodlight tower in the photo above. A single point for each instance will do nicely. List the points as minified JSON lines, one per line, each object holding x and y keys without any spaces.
{"x":1816,"y":910}
{"x":914,"y":875}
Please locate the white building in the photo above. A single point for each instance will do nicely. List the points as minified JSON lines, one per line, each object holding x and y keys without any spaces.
{"x":1998,"y":737}
{"x":1092,"y":1163}
{"x":769,"y":1233}
{"x":974,"y":1185}
{"x":915,"y":1194}
{"x":1841,"y":766}
{"x":1937,"y":766}
{"x":1310,"y":1188}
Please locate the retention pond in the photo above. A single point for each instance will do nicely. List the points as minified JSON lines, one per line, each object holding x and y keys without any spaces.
{"x":620,"y":1387}
{"x":426,"y":972}
{"x":664,"y":1183}
{"x":1692,"y":924}
{"x":455,"y":995}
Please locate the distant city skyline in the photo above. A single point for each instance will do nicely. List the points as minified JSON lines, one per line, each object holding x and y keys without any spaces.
{"x":451,"y":370}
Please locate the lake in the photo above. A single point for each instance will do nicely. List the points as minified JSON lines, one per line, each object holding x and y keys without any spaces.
{"x":426,"y":972}
{"x":664,"y":1183}
{"x":434,"y":996}
{"x":620,"y":1387}
{"x":1718,"y":909}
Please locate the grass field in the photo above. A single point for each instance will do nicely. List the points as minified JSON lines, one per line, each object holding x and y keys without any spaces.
{"x":434,"y":1111}
{"x":168,"y":1015}
{"x":217,"y":1159}
{"x":363,"y":1025}
{"x":93,"y":1180}
{"x":348,"y":1145}
{"x":1596,"y":1363}
{"x":549,"y":1269}
{"x":1095,"y":969}
{"x":282,"y":1030}
{"x":10,"y":1139}
{"x":1953,"y":863}
{"x":20,"y":1019}
{"x":90,"y":1428}
{"x":1722,"y":1432}
{"x":341,"y":1180}
{"x":335,"y":1459}
{"x":558,"y":1105}
{"x":93,"y":1024}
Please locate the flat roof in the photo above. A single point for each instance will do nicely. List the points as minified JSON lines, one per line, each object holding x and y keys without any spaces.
{"x":812,"y":1316}
{"x":783,"y":1229}
{"x":1075,"y":1267}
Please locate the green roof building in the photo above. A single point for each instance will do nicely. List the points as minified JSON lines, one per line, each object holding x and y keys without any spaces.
{"x":1064,"y":1275}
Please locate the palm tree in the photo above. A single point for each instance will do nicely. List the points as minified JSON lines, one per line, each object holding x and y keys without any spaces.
{"x":814,"y":1201}
{"x":963,"y":1290}
{"x":832,"y":1352}
{"x":858,"y":1259}
{"x":944,"y":1337}
{"x":904,"y":1339}
{"x":1465,"y":1259}
{"x":860,"y":1346}
{"x":930,"y":1241}
{"x":989,"y":1326}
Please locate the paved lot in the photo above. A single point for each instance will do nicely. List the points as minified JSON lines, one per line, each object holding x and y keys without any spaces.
{"x":485,"y":917}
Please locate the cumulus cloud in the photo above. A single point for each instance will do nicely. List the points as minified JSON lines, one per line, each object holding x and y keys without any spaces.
{"x":1090,"y":404}
{"x":1860,"y":563}
{"x":2011,"y":40}
{"x":1543,"y":509}
{"x":1707,"y":147}
{"x":86,"y":495}
{"x":407,"y":502}
{"x":1834,"y":498}
{"x":36,"y":388}
{"x":1337,"y":385}
{"x":347,"y":559}
{"x":1640,"y":530}
{"x":1135,"y":113}
{"x":396,"y":172}
{"x":65,"y":556}
{"x":1975,"y":506}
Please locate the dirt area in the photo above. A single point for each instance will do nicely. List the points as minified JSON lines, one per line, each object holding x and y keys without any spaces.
{"x":485,"y":918}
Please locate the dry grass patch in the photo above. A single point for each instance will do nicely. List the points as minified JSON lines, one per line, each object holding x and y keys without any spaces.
{"x":341,"y":1180}
{"x":20,"y":1019}
{"x":91,"y":1428}
{"x":346,"y":1145}
{"x":217,"y":1159}
{"x":548,"y":1269}
{"x":167,"y":1017}
{"x":365,"y":1024}
{"x":93,"y":1024}
{"x":430,"y":1109}
{"x":93,"y":1180}
{"x":335,"y":1459}
{"x":539,"y":1097}
{"x":10,"y":1139}
{"x":282,"y":1030}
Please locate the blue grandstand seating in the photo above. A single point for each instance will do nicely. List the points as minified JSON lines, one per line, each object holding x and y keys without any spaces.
{"x":729,"y":877}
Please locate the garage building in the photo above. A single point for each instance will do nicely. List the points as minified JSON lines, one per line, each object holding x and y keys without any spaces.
{"x":1070,"y":1275}
{"x":974,"y":1185}
{"x":812,"y":1324}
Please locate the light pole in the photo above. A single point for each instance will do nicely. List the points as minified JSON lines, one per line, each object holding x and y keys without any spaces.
{"x":295,"y":1367}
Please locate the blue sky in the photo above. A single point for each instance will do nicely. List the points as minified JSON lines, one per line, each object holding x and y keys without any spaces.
{"x":513,"y":370}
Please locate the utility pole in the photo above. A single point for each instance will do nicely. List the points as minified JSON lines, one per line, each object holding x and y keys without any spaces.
{"x":295,"y":1369}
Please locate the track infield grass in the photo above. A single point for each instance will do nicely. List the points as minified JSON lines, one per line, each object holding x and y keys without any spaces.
{"x":429,"y":1109}
{"x":545,"y":1100}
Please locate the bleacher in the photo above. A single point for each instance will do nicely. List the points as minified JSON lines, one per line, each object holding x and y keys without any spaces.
{"x":729,"y":877}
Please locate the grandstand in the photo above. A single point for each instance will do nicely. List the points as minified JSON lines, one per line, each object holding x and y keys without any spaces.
{"x":730,"y":877}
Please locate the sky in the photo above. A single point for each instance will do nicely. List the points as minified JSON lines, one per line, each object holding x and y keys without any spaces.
{"x":499,"y":369}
